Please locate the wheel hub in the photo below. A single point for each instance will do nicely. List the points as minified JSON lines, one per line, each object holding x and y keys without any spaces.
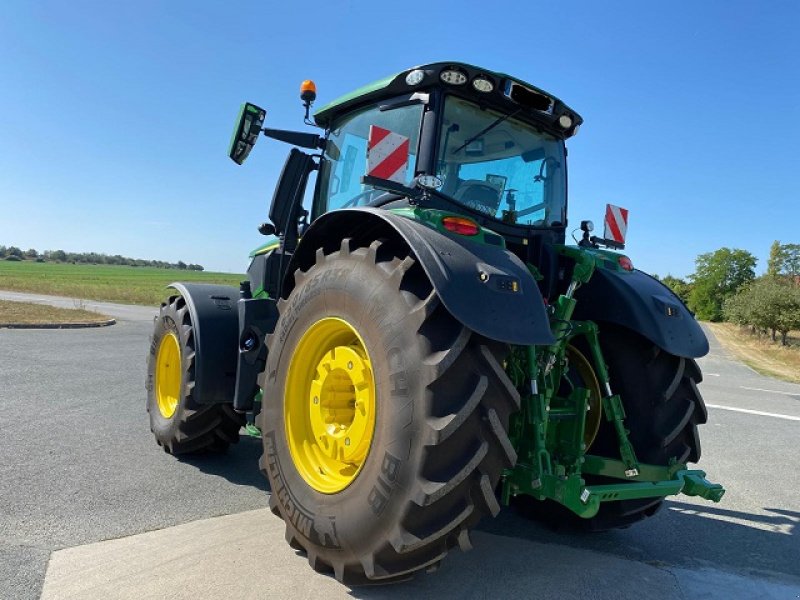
{"x":168,"y":375}
{"x":329,"y":405}
{"x":340,"y":396}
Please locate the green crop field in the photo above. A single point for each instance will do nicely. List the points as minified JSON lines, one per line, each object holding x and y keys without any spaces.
{"x":112,"y":283}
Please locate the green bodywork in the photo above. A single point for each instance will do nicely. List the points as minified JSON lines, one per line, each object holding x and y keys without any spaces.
{"x":271,"y":243}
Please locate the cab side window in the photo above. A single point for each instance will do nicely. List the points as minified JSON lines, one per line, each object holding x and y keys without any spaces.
{"x":345,"y":159}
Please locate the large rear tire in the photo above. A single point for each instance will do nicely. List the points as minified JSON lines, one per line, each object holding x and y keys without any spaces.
{"x":663,"y":408}
{"x":178,"y":421}
{"x":433,"y":438}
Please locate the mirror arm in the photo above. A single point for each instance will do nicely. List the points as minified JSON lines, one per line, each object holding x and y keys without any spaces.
{"x":296,"y":138}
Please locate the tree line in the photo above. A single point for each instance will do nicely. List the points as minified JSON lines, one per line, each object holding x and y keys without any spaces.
{"x":13,"y":253}
{"x":724,"y":287}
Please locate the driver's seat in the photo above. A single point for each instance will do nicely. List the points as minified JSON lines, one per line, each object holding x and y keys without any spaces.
{"x":480,"y":195}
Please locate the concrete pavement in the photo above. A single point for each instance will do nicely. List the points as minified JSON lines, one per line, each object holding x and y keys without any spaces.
{"x":84,"y":488}
{"x":225,"y":557}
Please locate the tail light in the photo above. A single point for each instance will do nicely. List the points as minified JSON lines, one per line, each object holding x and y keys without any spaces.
{"x":461,"y":225}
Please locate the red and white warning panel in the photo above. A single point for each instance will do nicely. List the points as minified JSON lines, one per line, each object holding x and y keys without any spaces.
{"x":387,"y":154}
{"x":616,"y":223}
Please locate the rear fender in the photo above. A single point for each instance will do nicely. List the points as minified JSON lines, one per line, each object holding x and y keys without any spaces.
{"x":644,"y":305}
{"x":485,"y":287}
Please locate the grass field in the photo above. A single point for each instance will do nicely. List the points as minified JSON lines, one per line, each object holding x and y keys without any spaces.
{"x":761,"y":354}
{"x":122,"y":284}
{"x":15,"y":313}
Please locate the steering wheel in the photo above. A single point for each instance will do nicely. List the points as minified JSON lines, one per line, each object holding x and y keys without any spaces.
{"x":354,"y":201}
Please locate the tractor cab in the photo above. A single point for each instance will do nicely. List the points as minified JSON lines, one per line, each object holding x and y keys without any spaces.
{"x":484,"y":143}
{"x":493,"y":145}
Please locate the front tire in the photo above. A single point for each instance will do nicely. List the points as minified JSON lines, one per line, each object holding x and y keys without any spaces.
{"x":440,"y":408}
{"x":664,"y":409}
{"x":178,"y":421}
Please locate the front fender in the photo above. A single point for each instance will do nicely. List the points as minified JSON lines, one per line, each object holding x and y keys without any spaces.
{"x":643,"y":304}
{"x":215,"y":325}
{"x":502,"y":304}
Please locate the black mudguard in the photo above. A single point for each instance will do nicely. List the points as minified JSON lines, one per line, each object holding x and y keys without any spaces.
{"x":485,"y":287}
{"x":215,"y":322}
{"x":643,"y":304}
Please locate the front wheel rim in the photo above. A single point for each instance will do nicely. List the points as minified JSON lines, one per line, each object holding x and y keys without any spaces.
{"x":168,"y":375}
{"x":329,"y":405}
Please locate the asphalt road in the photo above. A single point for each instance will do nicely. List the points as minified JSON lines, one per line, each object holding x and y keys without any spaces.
{"x":78,"y":465}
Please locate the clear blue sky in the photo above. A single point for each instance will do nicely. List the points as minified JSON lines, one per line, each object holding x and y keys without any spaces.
{"x":115,"y":118}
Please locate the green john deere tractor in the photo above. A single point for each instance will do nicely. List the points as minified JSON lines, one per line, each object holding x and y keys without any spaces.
{"x":422,"y":344}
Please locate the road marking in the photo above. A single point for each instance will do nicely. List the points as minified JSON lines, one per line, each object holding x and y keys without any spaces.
{"x":712,"y":374}
{"x":770,"y":391}
{"x":755,"y":412}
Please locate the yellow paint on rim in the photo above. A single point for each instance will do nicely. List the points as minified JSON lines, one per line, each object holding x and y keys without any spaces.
{"x":168,"y":375}
{"x":329,"y":405}
{"x":586,"y":373}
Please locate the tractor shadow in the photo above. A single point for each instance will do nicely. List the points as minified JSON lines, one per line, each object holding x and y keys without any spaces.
{"x":239,"y":464}
{"x":517,"y":557}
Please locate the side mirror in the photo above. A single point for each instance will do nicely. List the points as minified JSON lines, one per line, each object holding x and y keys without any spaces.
{"x":245,"y":134}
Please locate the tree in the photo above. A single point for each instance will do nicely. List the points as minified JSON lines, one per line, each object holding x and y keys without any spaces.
{"x":791,"y":261}
{"x":775,"y":260}
{"x":768,"y":304}
{"x":58,"y":255}
{"x":717,"y":277}
{"x":784,"y":259}
{"x":31,"y":253}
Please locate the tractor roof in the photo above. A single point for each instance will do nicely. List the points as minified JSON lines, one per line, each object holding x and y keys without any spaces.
{"x":502,"y":92}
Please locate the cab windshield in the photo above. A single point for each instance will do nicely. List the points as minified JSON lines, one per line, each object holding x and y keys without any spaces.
{"x":501,"y":166}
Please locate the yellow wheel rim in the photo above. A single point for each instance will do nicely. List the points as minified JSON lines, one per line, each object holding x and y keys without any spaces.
{"x":329,"y":405}
{"x":586,"y":373}
{"x":168,"y":375}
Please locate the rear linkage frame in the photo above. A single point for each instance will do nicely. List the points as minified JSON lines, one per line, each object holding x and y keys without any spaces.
{"x":549,"y":466}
